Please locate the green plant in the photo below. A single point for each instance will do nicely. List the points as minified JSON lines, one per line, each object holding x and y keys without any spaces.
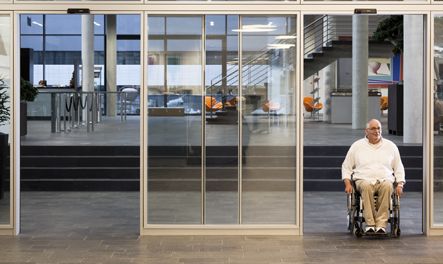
{"x":4,"y":103}
{"x":27,"y":91}
{"x":391,"y":29}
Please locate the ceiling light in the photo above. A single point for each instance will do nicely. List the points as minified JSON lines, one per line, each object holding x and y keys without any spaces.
{"x":280,"y":46}
{"x":36,"y":23}
{"x":256,"y":28}
{"x":286,"y":37}
{"x":97,"y":24}
{"x":438,"y":48}
{"x":211,"y":23}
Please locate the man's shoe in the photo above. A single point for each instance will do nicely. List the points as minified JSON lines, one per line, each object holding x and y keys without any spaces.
{"x":380,"y":230}
{"x":369,"y":230}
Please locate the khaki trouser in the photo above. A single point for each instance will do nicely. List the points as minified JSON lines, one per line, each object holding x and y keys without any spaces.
{"x":375,"y":215}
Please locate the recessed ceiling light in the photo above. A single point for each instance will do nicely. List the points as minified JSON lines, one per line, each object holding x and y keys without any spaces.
{"x":36,"y":23}
{"x":280,"y":46}
{"x":256,"y":28}
{"x":286,"y":37}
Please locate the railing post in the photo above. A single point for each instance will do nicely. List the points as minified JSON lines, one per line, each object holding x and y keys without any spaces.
{"x":87,"y":112}
{"x":53,"y":113}
{"x":121,"y":105}
{"x":99,"y":107}
{"x":59,"y":110}
{"x":65,"y":98}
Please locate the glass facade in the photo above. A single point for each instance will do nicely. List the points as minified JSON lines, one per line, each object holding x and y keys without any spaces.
{"x":5,"y":120}
{"x":221,"y":103}
{"x":438,"y":120}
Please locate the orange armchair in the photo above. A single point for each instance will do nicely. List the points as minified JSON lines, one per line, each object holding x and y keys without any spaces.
{"x":211,"y":104}
{"x":384,"y":103}
{"x":308,"y":103}
{"x":270,"y":106}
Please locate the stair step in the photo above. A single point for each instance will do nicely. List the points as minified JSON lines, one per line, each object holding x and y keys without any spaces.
{"x":263,"y":167}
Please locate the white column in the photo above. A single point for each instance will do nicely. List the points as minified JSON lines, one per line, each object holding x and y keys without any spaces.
{"x":87,"y":56}
{"x":359,"y":71}
{"x":413,"y":78}
{"x":88,"y":52}
{"x":111,"y":63}
{"x":328,"y":79}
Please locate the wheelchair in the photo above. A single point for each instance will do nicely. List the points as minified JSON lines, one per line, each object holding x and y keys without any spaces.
{"x":356,"y":219}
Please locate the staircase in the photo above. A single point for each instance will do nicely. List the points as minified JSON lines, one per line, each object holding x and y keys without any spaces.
{"x":266,"y":168}
{"x":80,"y":168}
{"x":329,"y":38}
{"x":322,"y":167}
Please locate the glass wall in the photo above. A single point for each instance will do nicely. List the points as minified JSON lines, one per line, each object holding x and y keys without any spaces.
{"x":5,"y":119}
{"x":268,"y":119}
{"x":51,"y":59}
{"x":53,"y":45}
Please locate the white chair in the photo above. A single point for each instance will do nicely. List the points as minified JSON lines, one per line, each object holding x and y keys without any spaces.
{"x":128,"y":97}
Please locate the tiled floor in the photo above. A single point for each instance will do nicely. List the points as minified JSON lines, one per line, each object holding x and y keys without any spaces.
{"x":97,"y":228}
{"x":114,"y":132}
{"x":103,"y":228}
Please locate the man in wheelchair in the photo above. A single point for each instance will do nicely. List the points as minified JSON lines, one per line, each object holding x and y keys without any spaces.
{"x":373,"y":167}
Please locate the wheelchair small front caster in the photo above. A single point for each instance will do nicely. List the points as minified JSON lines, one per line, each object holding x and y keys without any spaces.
{"x":358,"y":232}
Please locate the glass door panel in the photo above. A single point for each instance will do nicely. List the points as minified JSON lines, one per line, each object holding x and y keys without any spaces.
{"x":268,"y":121}
{"x":221,"y":105}
{"x":174,"y":120}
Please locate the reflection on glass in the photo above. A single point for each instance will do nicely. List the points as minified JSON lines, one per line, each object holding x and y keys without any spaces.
{"x":174,"y":120}
{"x":5,"y":114}
{"x":221,"y":104}
{"x":268,"y":122}
{"x":438,"y":120}
{"x":31,"y":24}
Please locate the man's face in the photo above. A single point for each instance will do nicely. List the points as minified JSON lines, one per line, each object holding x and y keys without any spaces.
{"x":373,"y":132}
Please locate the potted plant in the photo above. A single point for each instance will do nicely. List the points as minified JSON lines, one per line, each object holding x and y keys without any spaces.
{"x":4,"y":119}
{"x":391,"y":29}
{"x":28,"y":93}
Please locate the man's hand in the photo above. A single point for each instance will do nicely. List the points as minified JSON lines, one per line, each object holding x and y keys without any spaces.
{"x":399,"y":190}
{"x":348,"y":186}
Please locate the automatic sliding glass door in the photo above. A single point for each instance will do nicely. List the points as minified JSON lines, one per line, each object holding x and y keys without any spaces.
{"x":198,"y":136}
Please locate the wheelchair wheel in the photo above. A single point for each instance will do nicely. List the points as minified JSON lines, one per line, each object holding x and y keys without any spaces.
{"x":395,"y":232}
{"x":357,"y":231}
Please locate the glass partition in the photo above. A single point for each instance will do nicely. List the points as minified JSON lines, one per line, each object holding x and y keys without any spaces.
{"x":268,"y":119}
{"x":5,"y":119}
{"x":174,"y":120}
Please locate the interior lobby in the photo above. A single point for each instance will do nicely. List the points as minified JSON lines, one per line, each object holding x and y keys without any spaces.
{"x":213,"y":131}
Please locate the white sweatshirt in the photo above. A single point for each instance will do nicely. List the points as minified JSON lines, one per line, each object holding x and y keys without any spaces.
{"x":373,"y":162}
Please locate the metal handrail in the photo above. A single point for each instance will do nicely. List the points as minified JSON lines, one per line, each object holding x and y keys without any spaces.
{"x":75,"y":103}
{"x":320,"y":31}
{"x":263,"y":54}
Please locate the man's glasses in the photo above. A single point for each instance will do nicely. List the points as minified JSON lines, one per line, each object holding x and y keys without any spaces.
{"x":374,"y":128}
